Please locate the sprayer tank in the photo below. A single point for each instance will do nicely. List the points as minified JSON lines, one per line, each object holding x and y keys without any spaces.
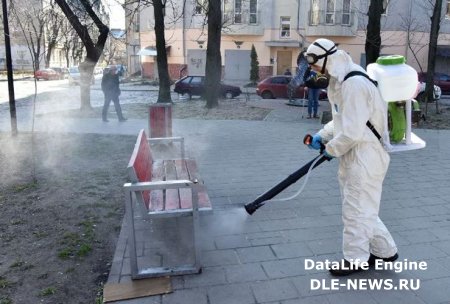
{"x":396,"y":80}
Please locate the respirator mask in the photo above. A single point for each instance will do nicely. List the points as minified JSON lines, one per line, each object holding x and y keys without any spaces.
{"x":320,"y":80}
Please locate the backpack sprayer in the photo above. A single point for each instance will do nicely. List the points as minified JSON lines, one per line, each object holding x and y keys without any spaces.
{"x":291,"y":179}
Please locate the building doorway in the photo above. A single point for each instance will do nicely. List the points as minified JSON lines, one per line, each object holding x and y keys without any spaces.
{"x":284,"y":61}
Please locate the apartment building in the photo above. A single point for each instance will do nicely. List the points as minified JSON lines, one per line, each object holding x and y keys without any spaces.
{"x":279,"y":30}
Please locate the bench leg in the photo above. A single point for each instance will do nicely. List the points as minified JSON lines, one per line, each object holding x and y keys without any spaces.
{"x":132,"y":235}
{"x":196,"y":227}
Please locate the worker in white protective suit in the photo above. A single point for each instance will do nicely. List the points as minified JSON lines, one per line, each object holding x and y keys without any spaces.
{"x":363,"y":161}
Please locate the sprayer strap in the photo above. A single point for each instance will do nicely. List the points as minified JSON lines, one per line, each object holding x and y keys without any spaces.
{"x":359,"y":73}
{"x":375,"y":132}
{"x":368,"y":123}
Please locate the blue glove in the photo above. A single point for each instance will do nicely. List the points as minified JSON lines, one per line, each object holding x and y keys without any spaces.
{"x":327,"y":155}
{"x":316,"y":142}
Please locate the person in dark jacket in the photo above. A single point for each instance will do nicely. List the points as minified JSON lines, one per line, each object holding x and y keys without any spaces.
{"x":111,"y":90}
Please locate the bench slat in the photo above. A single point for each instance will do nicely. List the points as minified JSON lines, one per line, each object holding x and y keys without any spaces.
{"x":203,"y":198}
{"x":140,"y":166}
{"x":185,"y":194}
{"x":157,"y":196}
{"x":172,"y":200}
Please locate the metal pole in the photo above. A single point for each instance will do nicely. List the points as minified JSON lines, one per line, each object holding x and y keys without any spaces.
{"x":12,"y":101}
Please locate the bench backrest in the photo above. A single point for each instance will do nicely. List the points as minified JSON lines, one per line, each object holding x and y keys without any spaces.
{"x":140,"y":166}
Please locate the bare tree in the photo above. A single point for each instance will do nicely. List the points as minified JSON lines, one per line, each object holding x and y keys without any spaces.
{"x":53,"y":29}
{"x":213,"y":71}
{"x":159,"y":10}
{"x":159,"y":7}
{"x":434,"y":35}
{"x":373,"y":38}
{"x":93,"y":49}
{"x":31,"y":18}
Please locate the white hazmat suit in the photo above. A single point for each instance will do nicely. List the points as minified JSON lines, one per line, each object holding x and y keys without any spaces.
{"x":363,"y":162}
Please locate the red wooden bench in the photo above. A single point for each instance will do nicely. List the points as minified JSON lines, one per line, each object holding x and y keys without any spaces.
{"x":164,"y":188}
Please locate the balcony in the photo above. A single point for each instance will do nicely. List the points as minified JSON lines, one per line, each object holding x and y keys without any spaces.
{"x":331,"y":23}
{"x":244,"y":23}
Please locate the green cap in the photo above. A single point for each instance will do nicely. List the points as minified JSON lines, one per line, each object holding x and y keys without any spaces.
{"x":391,"y":60}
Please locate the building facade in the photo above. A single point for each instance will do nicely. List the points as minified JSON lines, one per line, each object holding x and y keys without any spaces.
{"x":279,"y":30}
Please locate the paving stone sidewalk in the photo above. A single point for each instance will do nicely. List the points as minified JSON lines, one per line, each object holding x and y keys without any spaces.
{"x":260,"y":258}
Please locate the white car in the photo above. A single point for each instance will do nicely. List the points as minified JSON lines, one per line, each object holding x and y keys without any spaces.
{"x":74,"y":76}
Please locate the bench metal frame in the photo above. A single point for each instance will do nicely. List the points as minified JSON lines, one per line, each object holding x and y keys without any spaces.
{"x":130,"y":188}
{"x":133,"y":199}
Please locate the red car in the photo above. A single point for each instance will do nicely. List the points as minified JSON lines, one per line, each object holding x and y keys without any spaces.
{"x":277,"y":87}
{"x":46,"y":74}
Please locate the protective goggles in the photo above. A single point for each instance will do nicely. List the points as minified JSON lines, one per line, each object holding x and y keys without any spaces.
{"x":312,"y":58}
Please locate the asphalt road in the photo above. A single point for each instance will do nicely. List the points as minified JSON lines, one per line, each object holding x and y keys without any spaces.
{"x":58,"y":95}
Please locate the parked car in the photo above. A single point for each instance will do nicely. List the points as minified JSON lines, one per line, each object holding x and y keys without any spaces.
{"x":195,"y":86}
{"x":74,"y":76}
{"x":62,"y":72}
{"x":277,"y":87}
{"x":46,"y":74}
{"x":440,"y":79}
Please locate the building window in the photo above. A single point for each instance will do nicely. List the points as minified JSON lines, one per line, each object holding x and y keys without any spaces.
{"x":329,"y":15}
{"x":237,"y":11}
{"x":253,"y":11}
{"x":285,"y":27}
{"x":314,"y":12}
{"x":346,"y":12}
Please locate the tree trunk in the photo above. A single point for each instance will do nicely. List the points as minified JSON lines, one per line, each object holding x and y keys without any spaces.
{"x":161,"y":59}
{"x":50,"y":47}
{"x":434,"y":35}
{"x":93,"y":50}
{"x":86,"y":73}
{"x":373,"y":39}
{"x":213,"y":58}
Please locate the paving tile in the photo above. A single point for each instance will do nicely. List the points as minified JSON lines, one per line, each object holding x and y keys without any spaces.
{"x":417,"y":252}
{"x":274,"y":290}
{"x":186,"y":296}
{"x":231,"y":294}
{"x":310,"y":300}
{"x":146,"y":300}
{"x":326,"y":246}
{"x":232,"y":241}
{"x":219,"y":257}
{"x":284,"y":268}
{"x":245,"y":273}
{"x":255,"y":254}
{"x":351,"y":298}
{"x":208,"y":276}
{"x":443,"y":245}
{"x":435,"y":291}
{"x":291,"y":250}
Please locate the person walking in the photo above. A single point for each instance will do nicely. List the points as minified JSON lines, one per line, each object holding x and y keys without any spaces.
{"x":356,"y":105}
{"x":313,"y":98}
{"x":111,"y":90}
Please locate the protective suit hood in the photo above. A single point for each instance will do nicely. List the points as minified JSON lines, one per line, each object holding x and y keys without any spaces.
{"x":340,"y":64}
